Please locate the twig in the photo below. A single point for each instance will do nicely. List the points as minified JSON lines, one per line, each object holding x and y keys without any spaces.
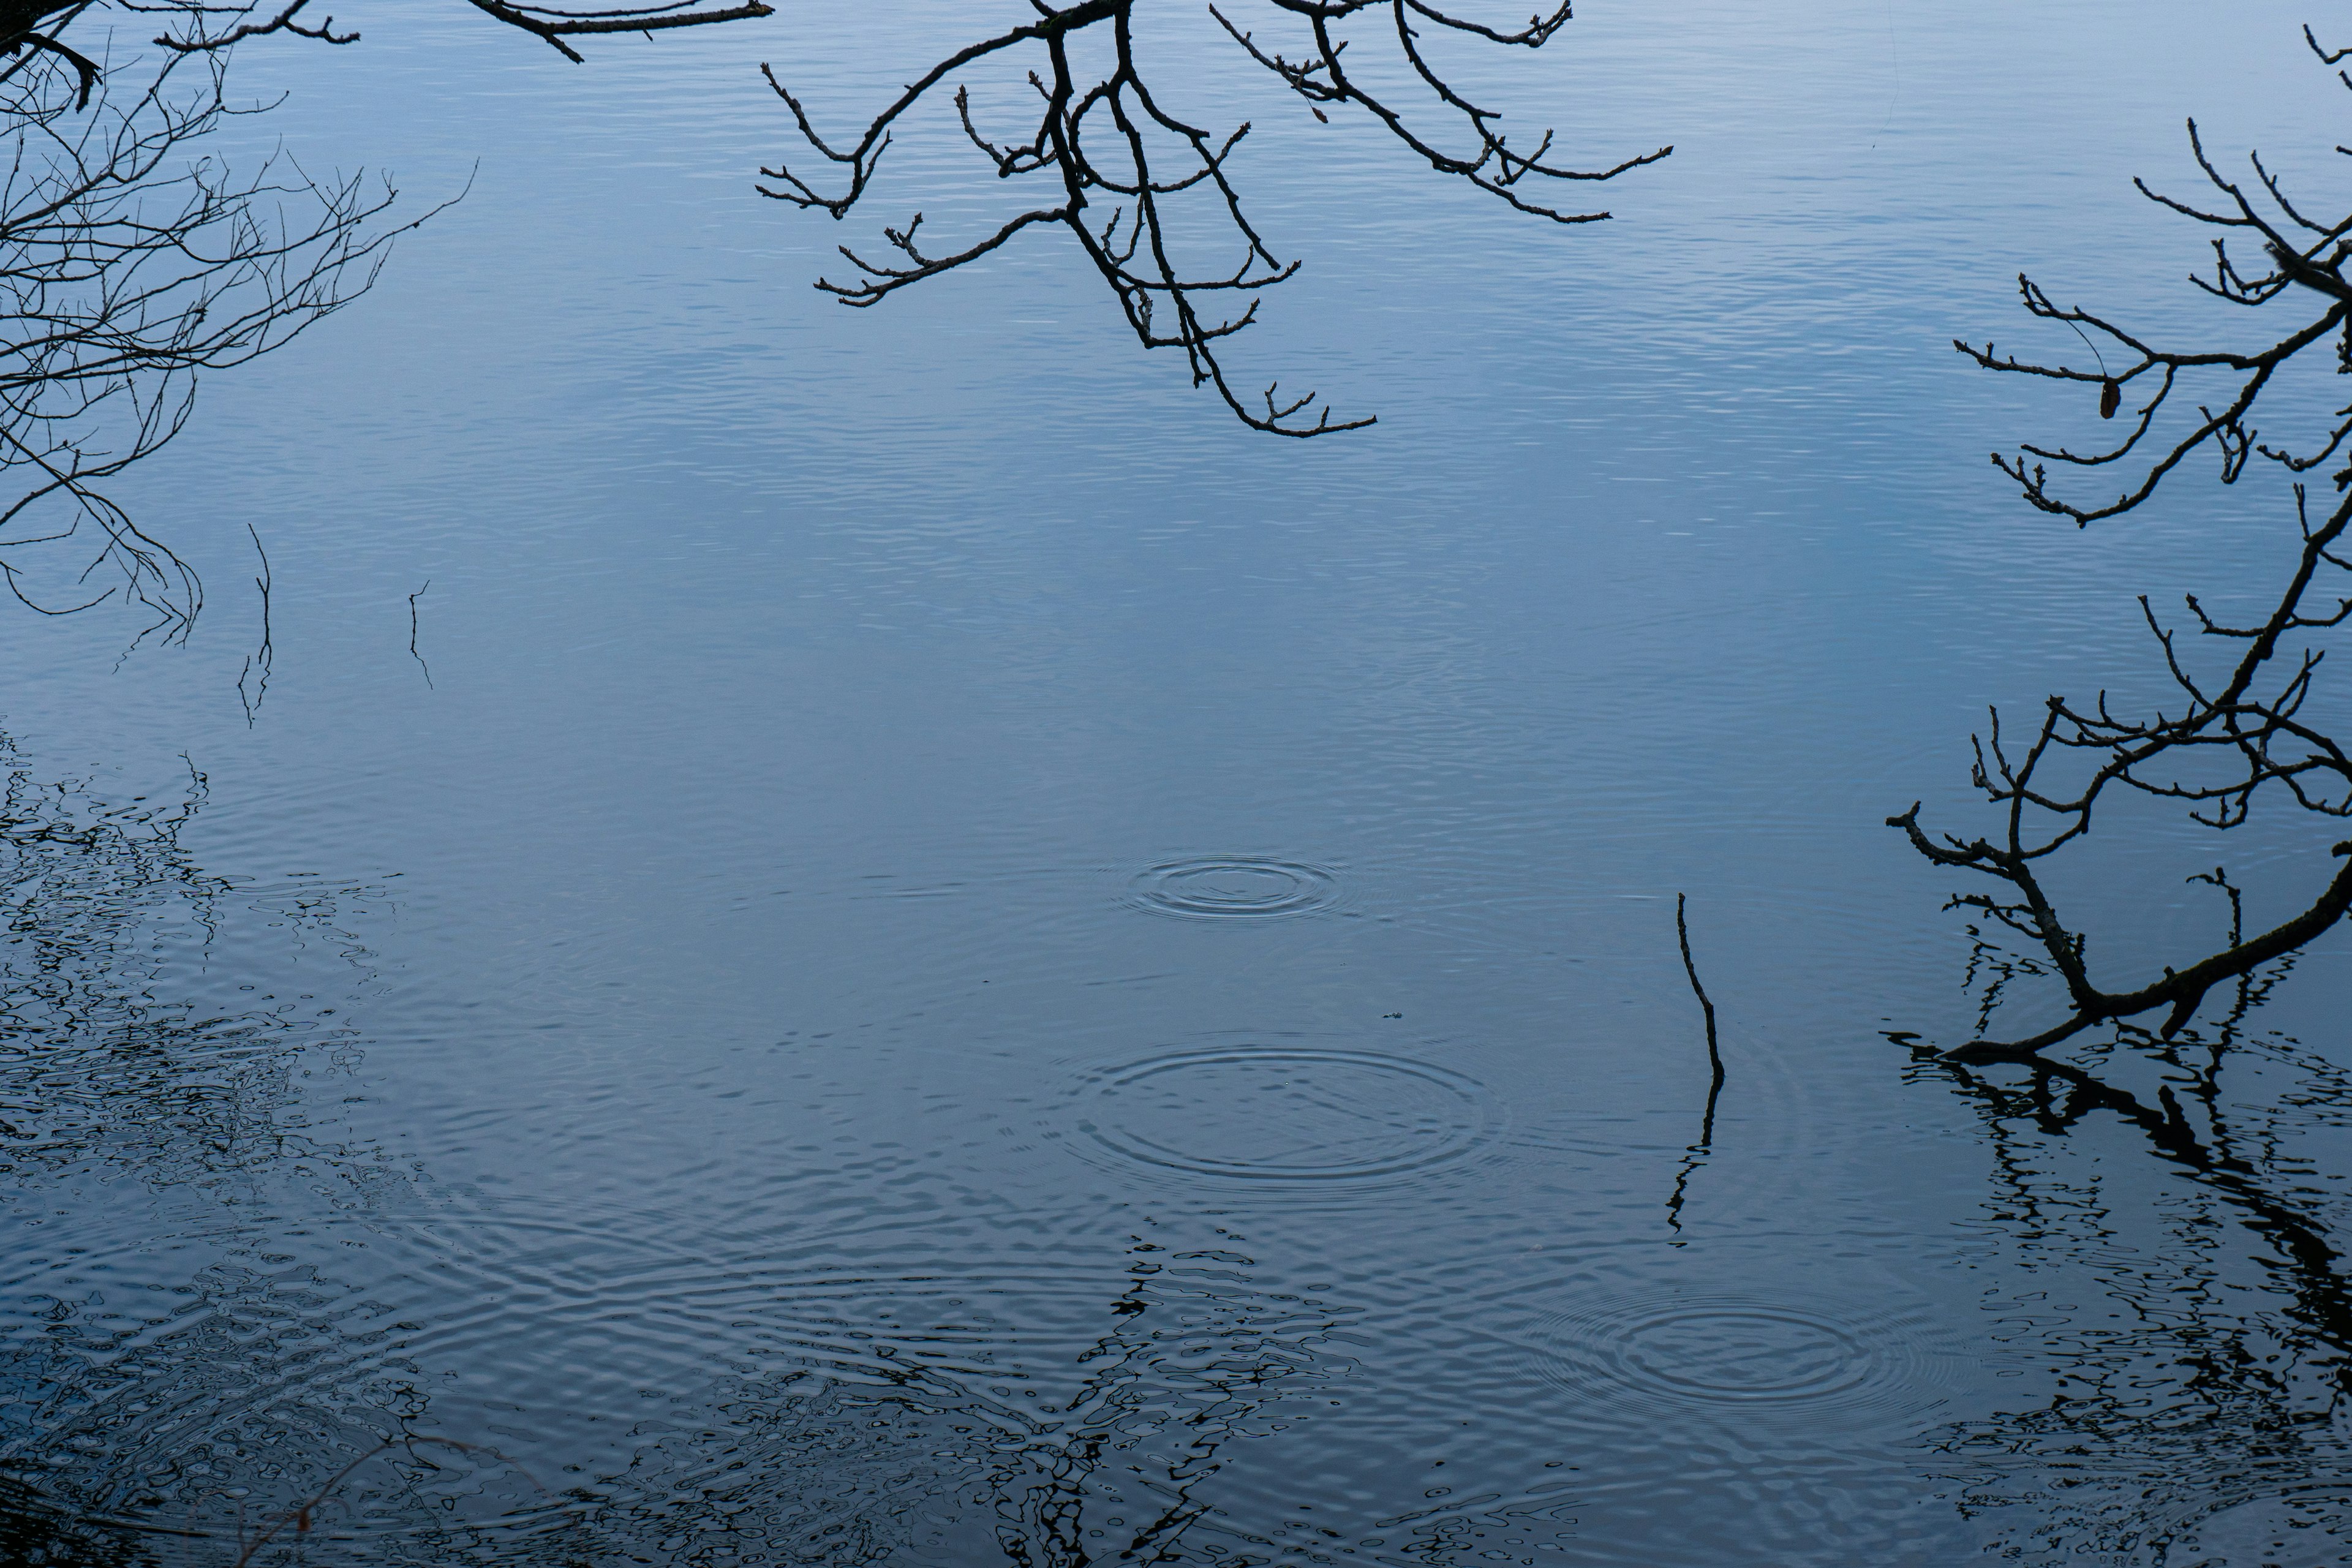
{"x":267,"y":654}
{"x":1714,"y":1052}
{"x":412,"y":633}
{"x":1699,"y":1151}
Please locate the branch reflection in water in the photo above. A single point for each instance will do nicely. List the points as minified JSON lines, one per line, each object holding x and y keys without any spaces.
{"x":111,"y":1073}
{"x":838,"y":1461}
{"x":267,"y":1413}
{"x":2208,"y":1402}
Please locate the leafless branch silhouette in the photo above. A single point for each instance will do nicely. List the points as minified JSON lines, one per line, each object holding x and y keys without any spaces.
{"x":1102,"y":137}
{"x":202,"y":28}
{"x":130,"y":262}
{"x":2244,"y":731}
{"x":2303,"y":263}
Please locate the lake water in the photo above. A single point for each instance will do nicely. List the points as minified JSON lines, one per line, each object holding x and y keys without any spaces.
{"x":941,"y":955}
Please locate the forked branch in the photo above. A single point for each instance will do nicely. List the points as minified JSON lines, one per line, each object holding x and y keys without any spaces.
{"x":1102,"y":140}
{"x":2241,"y":735}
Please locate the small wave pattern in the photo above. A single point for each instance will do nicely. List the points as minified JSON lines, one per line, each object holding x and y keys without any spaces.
{"x":2310,"y":1528}
{"x":1234,"y":888}
{"x":1678,"y":1356}
{"x":1279,"y":1114}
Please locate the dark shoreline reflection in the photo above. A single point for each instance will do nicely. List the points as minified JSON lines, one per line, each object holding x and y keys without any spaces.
{"x":2202,"y":1415}
{"x":928,"y":1457}
{"x":120,"y":1071}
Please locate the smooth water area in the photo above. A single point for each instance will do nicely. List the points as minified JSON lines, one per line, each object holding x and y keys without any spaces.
{"x":880,"y":937}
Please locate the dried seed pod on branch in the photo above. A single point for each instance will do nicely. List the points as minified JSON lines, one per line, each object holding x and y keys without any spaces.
{"x":2246,"y":730}
{"x":1103,"y":139}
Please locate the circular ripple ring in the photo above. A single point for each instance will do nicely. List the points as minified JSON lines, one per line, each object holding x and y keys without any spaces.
{"x":1276,"y":1113}
{"x":1735,"y":1355}
{"x":1234,"y":888}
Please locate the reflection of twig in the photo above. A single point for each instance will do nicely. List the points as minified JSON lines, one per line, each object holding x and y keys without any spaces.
{"x":412,"y":633}
{"x":1698,"y":1151}
{"x":2322,"y":1295}
{"x":267,"y":655}
{"x":298,"y":1516}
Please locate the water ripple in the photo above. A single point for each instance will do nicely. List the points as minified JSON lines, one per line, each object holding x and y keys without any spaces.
{"x":1747,"y":1356}
{"x":1280,"y":1113}
{"x":1237,"y":886}
{"x":2309,"y":1528}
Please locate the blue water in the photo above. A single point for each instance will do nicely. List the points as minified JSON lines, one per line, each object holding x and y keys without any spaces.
{"x":941,"y":955}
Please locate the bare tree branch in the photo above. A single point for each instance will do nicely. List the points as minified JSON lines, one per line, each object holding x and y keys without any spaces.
{"x":1102,"y":138}
{"x":130,"y":263}
{"x":2237,"y":736}
{"x":200,"y":29}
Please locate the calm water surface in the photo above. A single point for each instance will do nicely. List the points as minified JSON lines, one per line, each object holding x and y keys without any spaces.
{"x":943,"y":956}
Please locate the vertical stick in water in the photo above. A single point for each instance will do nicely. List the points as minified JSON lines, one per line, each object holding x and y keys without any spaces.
{"x":1698,"y":1151}
{"x":1714,"y":1053}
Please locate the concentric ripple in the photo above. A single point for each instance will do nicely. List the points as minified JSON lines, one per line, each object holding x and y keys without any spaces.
{"x":1736,"y":1354}
{"x":1294,"y":1113}
{"x":1234,"y":888}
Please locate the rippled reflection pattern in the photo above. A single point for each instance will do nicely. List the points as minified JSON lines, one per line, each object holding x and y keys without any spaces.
{"x":2197,"y":1419}
{"x":925,"y":954}
{"x":2308,"y":1529}
{"x":915,"y":1451}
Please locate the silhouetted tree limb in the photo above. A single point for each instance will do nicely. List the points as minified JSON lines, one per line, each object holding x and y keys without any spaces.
{"x":2245,"y":731}
{"x":283,"y":21}
{"x":202,"y":30}
{"x":127,"y":267}
{"x":2258,"y":739}
{"x":2302,"y":262}
{"x":1102,"y":138}
{"x":130,"y":262}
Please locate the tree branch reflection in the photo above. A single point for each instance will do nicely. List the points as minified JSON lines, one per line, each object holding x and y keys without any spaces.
{"x":2195,"y":1397}
{"x":114,"y":1074}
